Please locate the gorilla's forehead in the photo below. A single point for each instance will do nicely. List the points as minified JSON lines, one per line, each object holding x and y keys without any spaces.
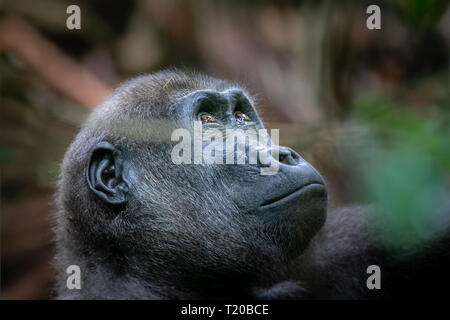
{"x":160,"y":89}
{"x":143,"y":106}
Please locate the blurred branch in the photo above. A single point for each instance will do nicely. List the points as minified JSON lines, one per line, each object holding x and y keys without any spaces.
{"x":54,"y":67}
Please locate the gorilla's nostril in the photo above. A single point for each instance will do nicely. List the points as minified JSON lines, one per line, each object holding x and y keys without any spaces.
{"x":288,"y":156}
{"x":295,"y":155}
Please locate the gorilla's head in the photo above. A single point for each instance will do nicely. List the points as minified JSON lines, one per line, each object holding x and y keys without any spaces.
{"x":126,"y":206}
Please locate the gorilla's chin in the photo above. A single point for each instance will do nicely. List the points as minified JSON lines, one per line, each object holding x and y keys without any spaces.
{"x":296,"y":218}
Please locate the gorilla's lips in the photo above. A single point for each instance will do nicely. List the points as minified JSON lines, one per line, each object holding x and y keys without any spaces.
{"x":287,"y":197}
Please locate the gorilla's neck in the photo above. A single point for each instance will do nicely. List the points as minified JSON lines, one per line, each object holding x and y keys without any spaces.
{"x":119,"y":261}
{"x":118,"y":275}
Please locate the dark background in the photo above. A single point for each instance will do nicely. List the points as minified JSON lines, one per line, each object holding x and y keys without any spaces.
{"x":368,"y":108}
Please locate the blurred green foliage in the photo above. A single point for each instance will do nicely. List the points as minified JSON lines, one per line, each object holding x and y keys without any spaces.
{"x":406,"y":172}
{"x":421,"y":14}
{"x":6,"y":155}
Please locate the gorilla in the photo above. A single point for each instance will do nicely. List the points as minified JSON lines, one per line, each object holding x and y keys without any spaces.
{"x":140,"y":226}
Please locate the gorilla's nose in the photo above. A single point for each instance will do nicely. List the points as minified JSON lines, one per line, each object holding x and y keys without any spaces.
{"x":288,"y":156}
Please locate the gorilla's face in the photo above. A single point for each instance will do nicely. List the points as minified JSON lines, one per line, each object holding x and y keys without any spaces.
{"x":285,"y":192}
{"x":201,"y":211}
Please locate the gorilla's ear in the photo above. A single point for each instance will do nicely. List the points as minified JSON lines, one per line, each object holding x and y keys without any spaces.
{"x":104,"y":174}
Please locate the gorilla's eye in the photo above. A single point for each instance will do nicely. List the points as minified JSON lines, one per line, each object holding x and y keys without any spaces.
{"x":207,"y":118}
{"x":242,"y":116}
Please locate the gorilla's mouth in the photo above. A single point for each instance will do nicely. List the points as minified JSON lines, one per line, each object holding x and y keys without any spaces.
{"x":283,"y":199}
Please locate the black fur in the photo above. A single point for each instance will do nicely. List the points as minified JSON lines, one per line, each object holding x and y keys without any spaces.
{"x":189,"y":231}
